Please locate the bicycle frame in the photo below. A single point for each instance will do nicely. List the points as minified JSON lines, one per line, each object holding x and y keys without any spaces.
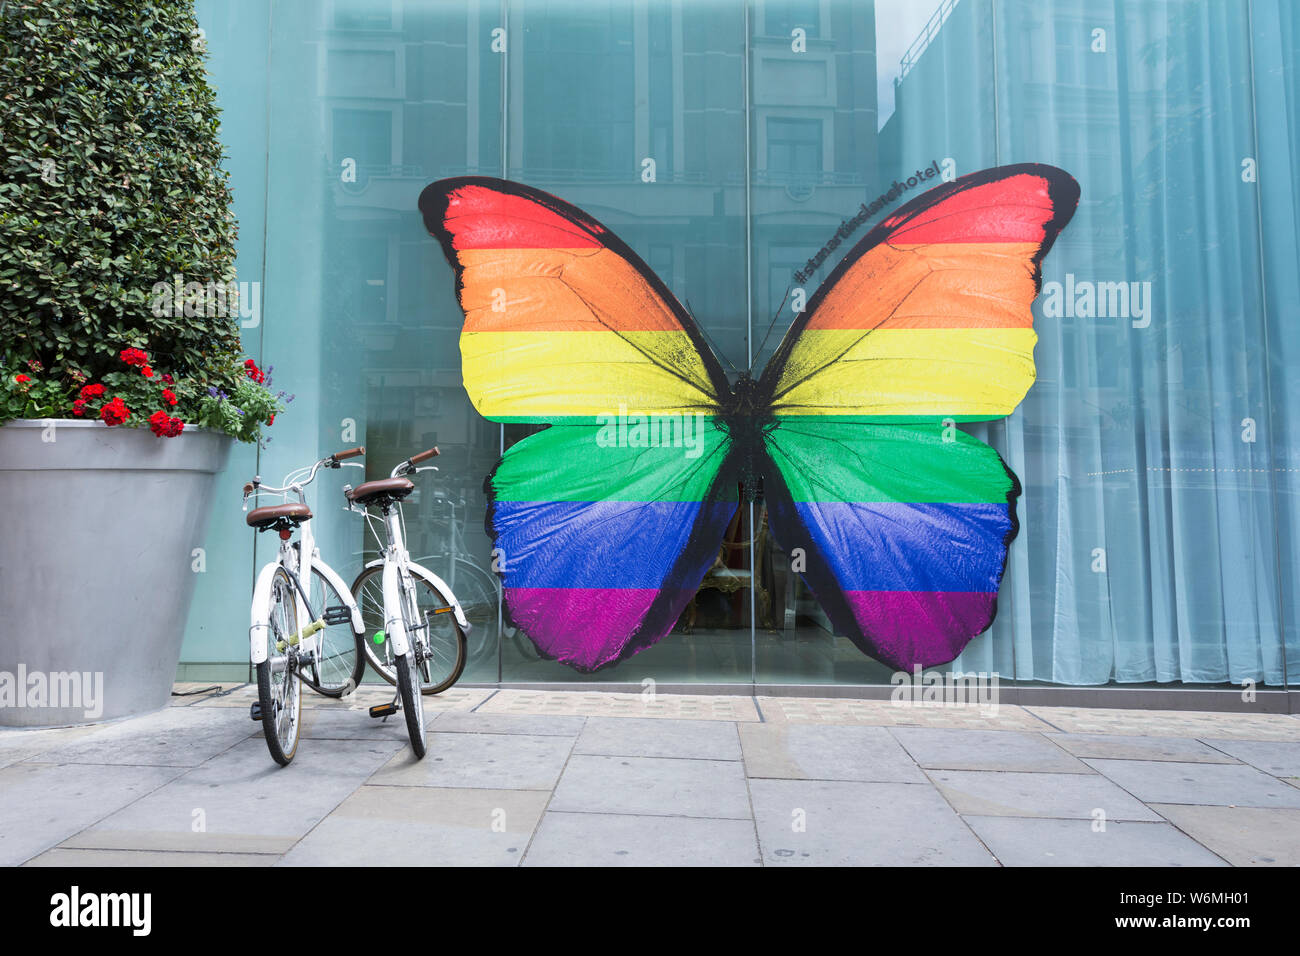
{"x":398,"y":582}
{"x":298,"y":563}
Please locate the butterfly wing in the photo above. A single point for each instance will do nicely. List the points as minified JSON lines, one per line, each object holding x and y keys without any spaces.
{"x":929,"y":314}
{"x":562,"y":320}
{"x":606,"y":522}
{"x":903,"y":531}
{"x":905,"y":521}
{"x":601,"y":545}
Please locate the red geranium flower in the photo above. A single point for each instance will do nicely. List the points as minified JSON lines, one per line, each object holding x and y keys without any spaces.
{"x":169,"y":396}
{"x":146,"y":371}
{"x":22,"y":379}
{"x":168,"y":379}
{"x":134,"y":357}
{"x":79,"y":407}
{"x":164,"y":426}
{"x":115,"y":412}
{"x":91,"y":391}
{"x":253,"y":372}
{"x":270,"y":421}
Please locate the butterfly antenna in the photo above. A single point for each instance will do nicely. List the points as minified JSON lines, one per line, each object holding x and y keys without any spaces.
{"x":705,"y":332}
{"x":771,"y":325}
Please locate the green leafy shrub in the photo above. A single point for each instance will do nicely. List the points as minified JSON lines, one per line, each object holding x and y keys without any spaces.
{"x":111,"y":185}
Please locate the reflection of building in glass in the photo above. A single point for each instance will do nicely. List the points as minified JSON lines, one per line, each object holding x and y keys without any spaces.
{"x":408,"y":93}
{"x":726,"y":142}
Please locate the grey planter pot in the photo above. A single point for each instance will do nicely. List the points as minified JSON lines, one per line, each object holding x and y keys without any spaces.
{"x":97,"y":530}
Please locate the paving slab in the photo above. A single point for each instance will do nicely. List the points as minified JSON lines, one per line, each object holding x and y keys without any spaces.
{"x":367,"y":695}
{"x":603,"y":704}
{"x":242,"y":801}
{"x":481,"y":761}
{"x":623,"y":839}
{"x":320,"y":723}
{"x":45,"y":804}
{"x":1170,"y":723}
{"x":230,"y":695}
{"x":1117,"y":747}
{"x":61,"y":856}
{"x":652,"y":737}
{"x":1279,"y":758}
{"x":948,"y":749}
{"x":171,"y":737}
{"x":423,"y":826}
{"x":1046,"y":842}
{"x":1244,"y":836}
{"x":826,"y":752}
{"x":457,"y":721}
{"x":1013,"y":794}
{"x":1198,"y":783}
{"x":657,"y":786}
{"x":889,"y":713}
{"x":23,"y":744}
{"x":849,"y":823}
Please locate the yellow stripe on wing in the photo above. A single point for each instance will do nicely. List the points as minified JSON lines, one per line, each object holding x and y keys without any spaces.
{"x":902,"y":372}
{"x":544,"y":375}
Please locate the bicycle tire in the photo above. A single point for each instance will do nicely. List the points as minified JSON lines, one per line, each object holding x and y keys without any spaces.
{"x":412,"y":704}
{"x":367,"y":591}
{"x":282,"y":616}
{"x":332,"y":634}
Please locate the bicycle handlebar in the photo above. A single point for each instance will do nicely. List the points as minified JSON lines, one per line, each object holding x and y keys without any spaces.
{"x":408,"y":466}
{"x":331,"y":461}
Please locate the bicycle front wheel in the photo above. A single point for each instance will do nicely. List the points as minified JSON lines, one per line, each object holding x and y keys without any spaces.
{"x":340,"y":660}
{"x":430,"y":624}
{"x":412,"y":701}
{"x":279,"y":691}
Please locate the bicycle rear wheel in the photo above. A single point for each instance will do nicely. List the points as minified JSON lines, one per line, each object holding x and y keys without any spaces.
{"x":342,"y":661}
{"x":279,"y":690}
{"x":430,"y":623}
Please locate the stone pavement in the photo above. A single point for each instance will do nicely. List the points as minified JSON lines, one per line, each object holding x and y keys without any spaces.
{"x":567,"y":778}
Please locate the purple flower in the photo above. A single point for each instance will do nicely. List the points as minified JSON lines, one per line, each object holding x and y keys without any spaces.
{"x":212,"y":390}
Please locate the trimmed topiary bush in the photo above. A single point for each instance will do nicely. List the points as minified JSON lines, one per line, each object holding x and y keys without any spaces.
{"x":116,"y":235}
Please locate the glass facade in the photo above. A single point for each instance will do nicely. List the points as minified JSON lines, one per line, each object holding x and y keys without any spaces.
{"x":725,"y":142}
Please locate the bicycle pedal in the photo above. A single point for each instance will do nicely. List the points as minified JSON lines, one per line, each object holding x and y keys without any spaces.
{"x":383,"y":710}
{"x":255,"y":711}
{"x":337,"y":615}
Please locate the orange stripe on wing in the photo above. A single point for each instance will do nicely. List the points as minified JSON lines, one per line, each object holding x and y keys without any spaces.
{"x":542,"y":290}
{"x":956,"y":285}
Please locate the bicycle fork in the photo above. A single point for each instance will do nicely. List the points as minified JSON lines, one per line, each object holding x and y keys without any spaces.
{"x":395,"y":588}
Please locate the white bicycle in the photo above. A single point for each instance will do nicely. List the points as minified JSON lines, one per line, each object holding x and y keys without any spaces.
{"x":305,"y":626}
{"x":417,"y":627}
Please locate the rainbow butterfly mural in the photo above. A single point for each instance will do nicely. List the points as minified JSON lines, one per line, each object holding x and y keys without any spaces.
{"x":608,"y":520}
